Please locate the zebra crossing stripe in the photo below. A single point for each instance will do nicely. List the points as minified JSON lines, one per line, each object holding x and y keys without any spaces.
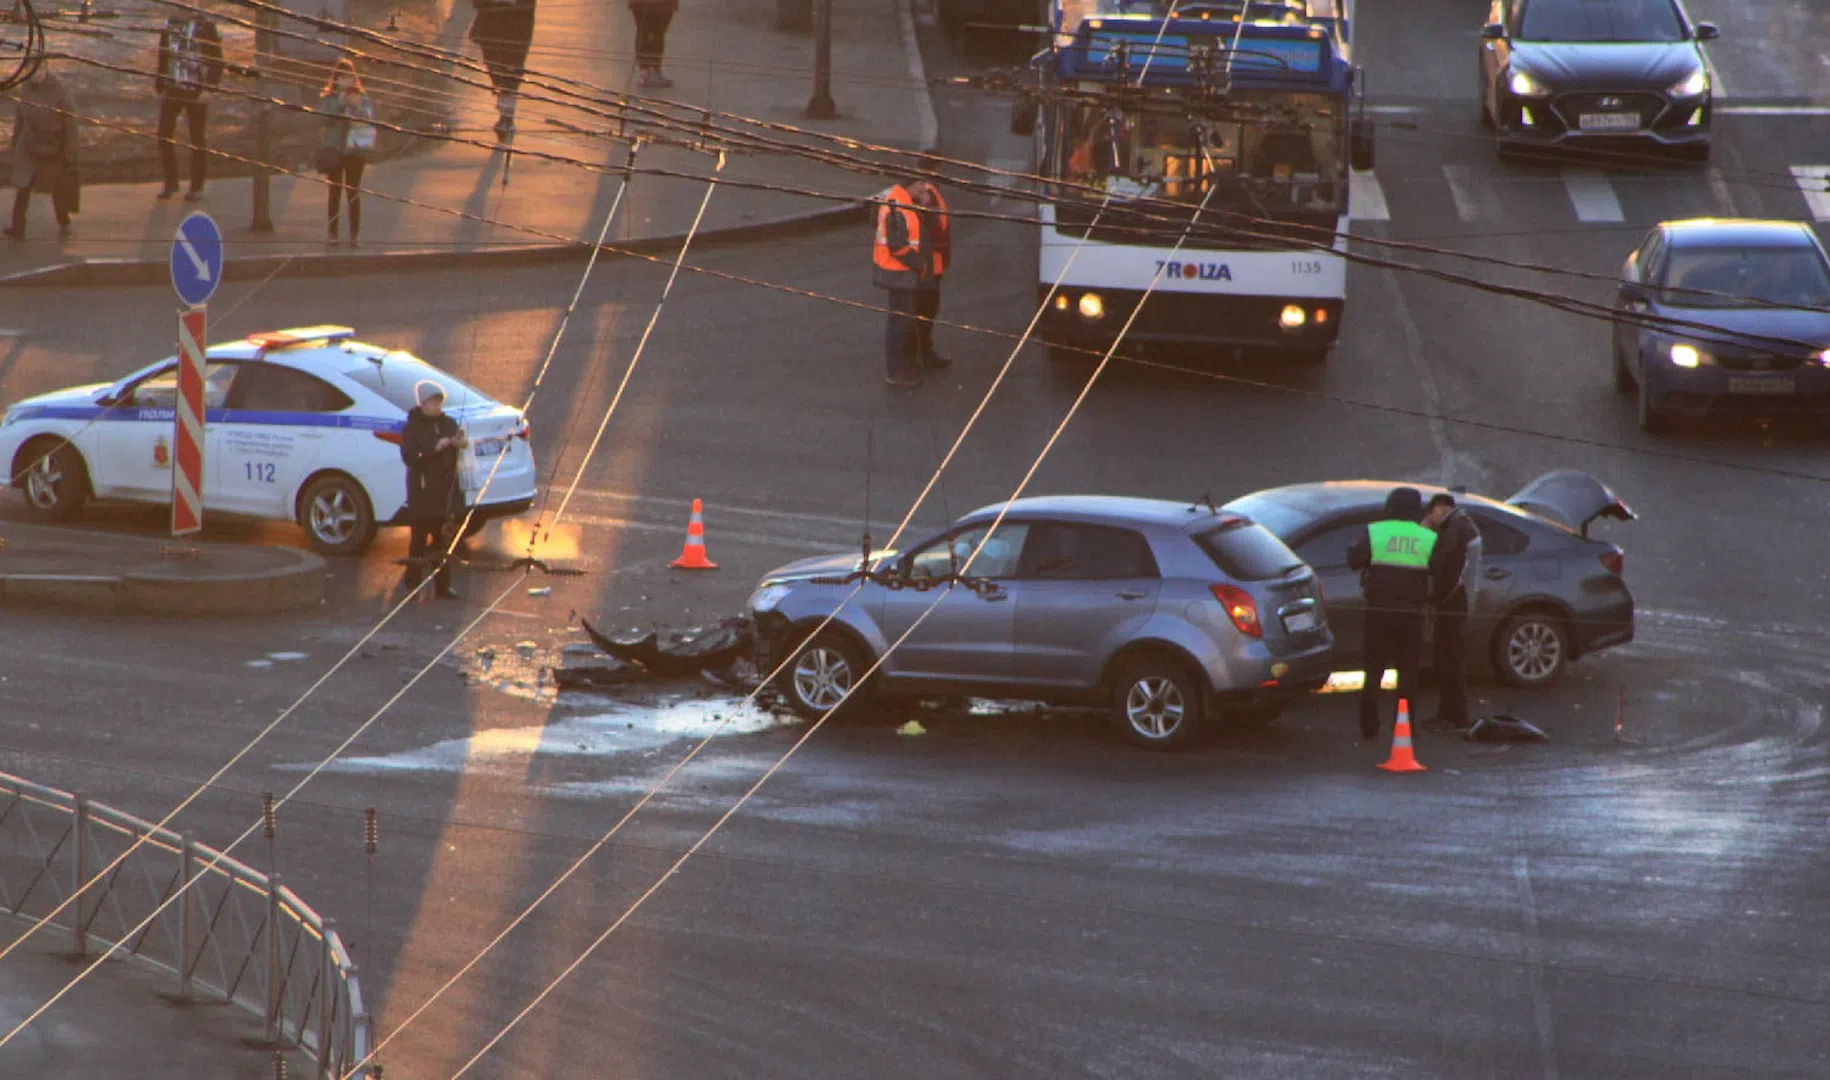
{"x":1814,"y":184}
{"x":1365,"y":198}
{"x":1592,"y":196}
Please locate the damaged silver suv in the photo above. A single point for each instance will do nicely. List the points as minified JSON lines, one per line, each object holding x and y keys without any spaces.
{"x":1167,"y":613}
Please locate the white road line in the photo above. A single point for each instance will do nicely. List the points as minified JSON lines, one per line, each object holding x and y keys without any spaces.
{"x":1473,"y":193}
{"x":1772,"y":110}
{"x":1726,"y":205}
{"x":1814,"y":184}
{"x":1393,"y":110}
{"x":1365,"y":198}
{"x":1592,"y":196}
{"x":712,"y":508}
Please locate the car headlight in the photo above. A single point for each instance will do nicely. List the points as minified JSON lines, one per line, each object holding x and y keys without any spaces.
{"x":1524,"y":85}
{"x":1092,"y":307}
{"x":1686,"y":356}
{"x":11,"y":415}
{"x":1821,"y":358}
{"x":766,"y":597}
{"x":1692,"y":85}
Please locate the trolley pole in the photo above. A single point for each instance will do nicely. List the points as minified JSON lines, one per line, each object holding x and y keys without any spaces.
{"x":821,"y":107}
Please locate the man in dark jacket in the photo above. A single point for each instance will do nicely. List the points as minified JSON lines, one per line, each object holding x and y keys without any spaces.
{"x":190,"y":66}
{"x":1394,"y":563}
{"x":429,"y":444}
{"x":1454,"y":577}
{"x":504,"y":30}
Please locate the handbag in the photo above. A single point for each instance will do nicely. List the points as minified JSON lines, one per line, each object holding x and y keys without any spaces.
{"x":361,"y":139}
{"x":329,"y":159}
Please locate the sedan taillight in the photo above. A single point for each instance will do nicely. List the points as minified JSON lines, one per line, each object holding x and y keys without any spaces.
{"x":1615,"y":560}
{"x":1241,"y":608}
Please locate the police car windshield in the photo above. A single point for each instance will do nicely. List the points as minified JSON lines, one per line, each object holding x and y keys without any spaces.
{"x":394,"y":376}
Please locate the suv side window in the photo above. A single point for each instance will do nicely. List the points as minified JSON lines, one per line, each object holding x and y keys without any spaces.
{"x":1498,"y":539}
{"x":1076,"y":552}
{"x":272,"y":388}
{"x":999,"y":559}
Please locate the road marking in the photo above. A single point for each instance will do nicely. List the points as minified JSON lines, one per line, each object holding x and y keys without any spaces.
{"x":1473,"y":193}
{"x":1814,"y":184}
{"x":1592,"y":196}
{"x":1725,"y":197}
{"x":1365,"y":198}
{"x":1007,"y":183}
{"x":1772,"y":110}
{"x":849,"y":523}
{"x":1392,"y":110}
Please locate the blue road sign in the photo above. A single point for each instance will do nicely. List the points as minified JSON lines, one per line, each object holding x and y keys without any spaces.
{"x":196,"y":259}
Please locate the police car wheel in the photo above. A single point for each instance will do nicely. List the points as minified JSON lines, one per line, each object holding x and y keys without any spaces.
{"x":1157,"y":704}
{"x":55,"y":482}
{"x":1531,"y":649}
{"x":335,"y":513}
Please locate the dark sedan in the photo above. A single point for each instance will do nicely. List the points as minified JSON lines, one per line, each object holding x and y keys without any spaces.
{"x":1549,"y":593}
{"x":1619,"y":75}
{"x":1749,"y":310}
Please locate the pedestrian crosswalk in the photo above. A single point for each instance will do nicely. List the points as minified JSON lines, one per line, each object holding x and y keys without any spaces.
{"x":1478,"y":194}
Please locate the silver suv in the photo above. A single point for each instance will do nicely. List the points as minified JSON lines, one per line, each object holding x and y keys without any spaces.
{"x":1165,"y":612}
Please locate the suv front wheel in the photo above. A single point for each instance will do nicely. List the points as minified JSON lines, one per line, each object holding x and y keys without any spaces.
{"x":1157,"y":703}
{"x":824,"y":676}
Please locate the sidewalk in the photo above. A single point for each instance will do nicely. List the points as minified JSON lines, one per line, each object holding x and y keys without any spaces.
{"x":724,"y":55}
{"x":62,"y":567}
{"x":115,"y":1024}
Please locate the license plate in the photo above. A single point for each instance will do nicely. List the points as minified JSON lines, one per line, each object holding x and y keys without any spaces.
{"x":491,"y":447}
{"x":1782,"y":385}
{"x":1299,"y":621}
{"x":1609,"y":121}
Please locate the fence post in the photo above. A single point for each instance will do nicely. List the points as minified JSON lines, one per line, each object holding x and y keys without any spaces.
{"x":81,"y":855}
{"x":327,"y":999}
{"x":187,"y":923}
{"x":275,"y":987}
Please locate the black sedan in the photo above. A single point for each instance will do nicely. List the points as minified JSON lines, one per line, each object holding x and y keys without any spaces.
{"x":1622,"y":75}
{"x":1549,"y":593}
{"x":1721,"y":314}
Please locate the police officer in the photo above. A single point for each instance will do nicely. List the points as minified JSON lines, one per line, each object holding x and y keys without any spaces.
{"x":1394,"y":563}
{"x":429,"y":445}
{"x":939,"y":228}
{"x":903,"y":266}
{"x":1454,"y":577}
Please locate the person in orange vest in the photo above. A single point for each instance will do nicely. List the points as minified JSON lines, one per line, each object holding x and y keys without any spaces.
{"x":927,"y":298}
{"x":903,"y":265}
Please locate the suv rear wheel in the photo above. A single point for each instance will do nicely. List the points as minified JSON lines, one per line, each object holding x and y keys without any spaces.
{"x":1157,"y":703}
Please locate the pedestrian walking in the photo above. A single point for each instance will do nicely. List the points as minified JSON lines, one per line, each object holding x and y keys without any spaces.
{"x":349,"y":138}
{"x":44,"y":149}
{"x":190,"y":66}
{"x":651,"y":21}
{"x":429,"y":445}
{"x":504,"y":31}
{"x":903,"y":267}
{"x":939,"y":224}
{"x":1394,"y":563}
{"x":1454,"y":578}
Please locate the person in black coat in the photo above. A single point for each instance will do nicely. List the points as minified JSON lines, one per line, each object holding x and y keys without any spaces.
{"x":190,"y":66}
{"x":1455,"y":567}
{"x":504,"y":30}
{"x":429,"y":445}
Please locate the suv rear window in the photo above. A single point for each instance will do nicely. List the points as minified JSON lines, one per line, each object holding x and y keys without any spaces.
{"x":1247,"y":552}
{"x":397,"y":373}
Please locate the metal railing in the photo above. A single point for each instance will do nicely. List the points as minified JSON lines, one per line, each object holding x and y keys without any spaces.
{"x":235,"y":936}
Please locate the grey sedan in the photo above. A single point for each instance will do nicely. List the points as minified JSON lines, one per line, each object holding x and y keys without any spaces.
{"x":1549,"y":593}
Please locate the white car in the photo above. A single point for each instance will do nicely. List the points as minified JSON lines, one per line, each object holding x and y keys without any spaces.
{"x":302,"y":425}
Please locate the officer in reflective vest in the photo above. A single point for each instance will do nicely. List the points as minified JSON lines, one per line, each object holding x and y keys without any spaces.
{"x":1394,"y":563}
{"x":939,"y":229}
{"x":904,"y":265}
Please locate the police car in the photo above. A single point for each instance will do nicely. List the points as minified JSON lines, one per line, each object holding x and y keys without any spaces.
{"x":301,"y":425}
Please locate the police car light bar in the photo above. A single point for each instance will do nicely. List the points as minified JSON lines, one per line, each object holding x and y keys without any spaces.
{"x":284,"y":339}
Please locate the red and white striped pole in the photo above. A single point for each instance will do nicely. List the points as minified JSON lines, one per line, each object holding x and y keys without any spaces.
{"x":187,"y":426}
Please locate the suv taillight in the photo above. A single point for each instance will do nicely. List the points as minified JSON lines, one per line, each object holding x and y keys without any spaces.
{"x":1241,"y":608}
{"x":1615,"y":560}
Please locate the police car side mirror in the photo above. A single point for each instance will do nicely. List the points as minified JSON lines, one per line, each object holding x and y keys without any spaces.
{"x":1493,"y":31}
{"x":1707,"y":31}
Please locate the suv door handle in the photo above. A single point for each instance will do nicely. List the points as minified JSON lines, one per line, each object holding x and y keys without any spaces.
{"x":998,"y":594}
{"x":1131,"y":594}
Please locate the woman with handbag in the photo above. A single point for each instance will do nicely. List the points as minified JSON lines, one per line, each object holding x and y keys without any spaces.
{"x":349,"y":137}
{"x":44,"y":148}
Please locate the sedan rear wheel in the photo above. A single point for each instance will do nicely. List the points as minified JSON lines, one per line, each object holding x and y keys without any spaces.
{"x":335,"y":513}
{"x":1531,"y":649}
{"x":1157,"y":704}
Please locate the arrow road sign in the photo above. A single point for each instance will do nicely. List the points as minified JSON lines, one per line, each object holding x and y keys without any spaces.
{"x":196,"y":259}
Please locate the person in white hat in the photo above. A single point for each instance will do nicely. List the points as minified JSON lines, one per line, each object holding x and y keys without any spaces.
{"x":429,"y":445}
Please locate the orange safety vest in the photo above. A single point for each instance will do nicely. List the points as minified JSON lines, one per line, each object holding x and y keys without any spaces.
{"x":897,"y":258}
{"x":929,"y":198}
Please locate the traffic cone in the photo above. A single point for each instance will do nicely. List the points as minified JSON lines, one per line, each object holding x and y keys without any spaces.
{"x":692,"y":556}
{"x":1402,"y":759}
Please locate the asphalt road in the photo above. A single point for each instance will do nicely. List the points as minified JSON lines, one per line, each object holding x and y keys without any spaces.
{"x":1015,"y":894}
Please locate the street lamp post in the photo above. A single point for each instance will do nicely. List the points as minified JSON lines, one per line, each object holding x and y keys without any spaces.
{"x":263,"y":124}
{"x":821,"y":106}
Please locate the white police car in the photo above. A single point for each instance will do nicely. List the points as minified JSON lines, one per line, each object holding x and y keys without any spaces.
{"x":302,"y":425}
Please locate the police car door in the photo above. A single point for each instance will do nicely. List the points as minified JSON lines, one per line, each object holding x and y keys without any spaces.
{"x":133,"y":438}
{"x":279,"y":423}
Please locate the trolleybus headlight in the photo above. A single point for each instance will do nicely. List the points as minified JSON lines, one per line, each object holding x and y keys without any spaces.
{"x":1293,"y":317}
{"x":1091,"y":306}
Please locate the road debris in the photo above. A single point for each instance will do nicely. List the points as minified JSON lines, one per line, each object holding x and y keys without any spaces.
{"x":1503,"y":727}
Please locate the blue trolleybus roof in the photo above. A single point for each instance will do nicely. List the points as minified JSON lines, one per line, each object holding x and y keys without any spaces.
{"x":1280,"y":44}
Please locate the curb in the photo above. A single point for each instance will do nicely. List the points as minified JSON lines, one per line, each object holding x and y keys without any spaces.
{"x":96,"y":272}
{"x":266,"y":592}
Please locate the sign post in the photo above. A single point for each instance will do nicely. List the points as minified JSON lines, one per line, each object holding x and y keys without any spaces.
{"x":196,"y":264}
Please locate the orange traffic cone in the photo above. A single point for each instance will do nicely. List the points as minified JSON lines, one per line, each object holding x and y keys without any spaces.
{"x":1402,"y":759}
{"x":692,"y":556}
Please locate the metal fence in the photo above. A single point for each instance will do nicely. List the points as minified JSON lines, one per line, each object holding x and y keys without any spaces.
{"x":236,"y":935}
